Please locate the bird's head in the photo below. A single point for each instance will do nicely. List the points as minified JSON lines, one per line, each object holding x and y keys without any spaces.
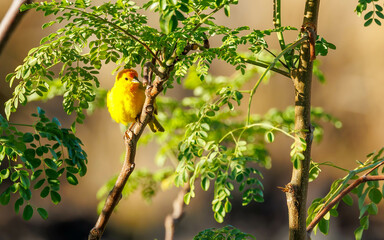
{"x":128,"y":75}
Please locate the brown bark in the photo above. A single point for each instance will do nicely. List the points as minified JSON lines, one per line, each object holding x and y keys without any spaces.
{"x":132,"y":136}
{"x":10,"y":21}
{"x":177,"y":213}
{"x":296,"y":191}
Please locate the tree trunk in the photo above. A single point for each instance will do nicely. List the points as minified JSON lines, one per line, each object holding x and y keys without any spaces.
{"x":296,"y":190}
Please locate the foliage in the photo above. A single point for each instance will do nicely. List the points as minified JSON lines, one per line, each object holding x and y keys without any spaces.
{"x":207,"y":138}
{"x":216,"y":147}
{"x":375,"y":14}
{"x":227,"y":233}
{"x":368,"y":194}
{"x":37,"y":160}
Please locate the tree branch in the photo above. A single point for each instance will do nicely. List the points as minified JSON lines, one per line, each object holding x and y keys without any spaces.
{"x":339,"y":197}
{"x":10,"y":21}
{"x":264,"y":65}
{"x":178,"y":212}
{"x":296,"y":190}
{"x":132,"y":136}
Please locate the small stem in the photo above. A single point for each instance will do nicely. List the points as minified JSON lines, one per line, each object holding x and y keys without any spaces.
{"x":265,"y":65}
{"x":177,"y":213}
{"x":263,"y":125}
{"x":277,"y":21}
{"x":340,"y":196}
{"x":20,"y":124}
{"x":282,"y":63}
{"x":271,"y":65}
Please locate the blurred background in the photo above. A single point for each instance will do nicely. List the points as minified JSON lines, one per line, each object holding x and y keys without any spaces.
{"x":353,"y":93}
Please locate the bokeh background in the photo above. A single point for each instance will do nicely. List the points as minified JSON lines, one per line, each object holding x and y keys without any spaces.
{"x":353,"y":92}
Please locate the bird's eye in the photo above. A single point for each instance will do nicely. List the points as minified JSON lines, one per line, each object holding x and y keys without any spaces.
{"x":126,"y":79}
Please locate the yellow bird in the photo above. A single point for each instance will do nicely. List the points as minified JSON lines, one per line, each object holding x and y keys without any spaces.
{"x":126,"y":99}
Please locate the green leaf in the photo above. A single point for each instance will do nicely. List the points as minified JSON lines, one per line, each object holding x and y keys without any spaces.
{"x":15,"y":175}
{"x":168,"y":22}
{"x":25,"y":181}
{"x":187,"y":198}
{"x":55,"y":197}
{"x":219,"y":218}
{"x":359,"y":233}
{"x":39,"y":183}
{"x":364,"y":222}
{"x":28,"y":137}
{"x":28,"y":212}
{"x":4,"y":174}
{"x":368,"y":15}
{"x":29,"y":154}
{"x":163,"y":4}
{"x":51,"y":173}
{"x":375,"y":195}
{"x":269,"y":137}
{"x":44,"y":193}
{"x":227,"y":10}
{"x":210,"y":113}
{"x":367,"y":23}
{"x":72,"y":179}
{"x":372,"y":209}
{"x":19,"y":202}
{"x":205,"y":126}
{"x":205,"y":182}
{"x":50,"y":163}
{"x":324,"y":226}
{"x":227,"y":206}
{"x":43,"y":213}
{"x":25,"y":193}
{"x":347,"y":199}
{"x":380,"y":15}
{"x":4,"y":198}
{"x":36,"y":174}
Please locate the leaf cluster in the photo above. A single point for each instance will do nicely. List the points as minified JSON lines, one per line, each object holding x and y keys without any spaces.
{"x":369,"y":195}
{"x":37,"y":160}
{"x":214,"y":146}
{"x":374,"y":15}
{"x":225,"y":233}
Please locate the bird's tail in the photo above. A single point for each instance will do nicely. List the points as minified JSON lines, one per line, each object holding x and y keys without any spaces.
{"x":155,"y":126}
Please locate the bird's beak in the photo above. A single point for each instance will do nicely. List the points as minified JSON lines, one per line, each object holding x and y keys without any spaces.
{"x":136,"y":80}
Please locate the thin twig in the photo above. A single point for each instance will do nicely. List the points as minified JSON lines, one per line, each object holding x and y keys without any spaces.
{"x":270,"y":52}
{"x":277,"y":21}
{"x":337,"y":199}
{"x":357,"y":182}
{"x":177,"y":213}
{"x":10,"y":21}
{"x":272,"y":65}
{"x":265,"y":65}
{"x":131,"y":138}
